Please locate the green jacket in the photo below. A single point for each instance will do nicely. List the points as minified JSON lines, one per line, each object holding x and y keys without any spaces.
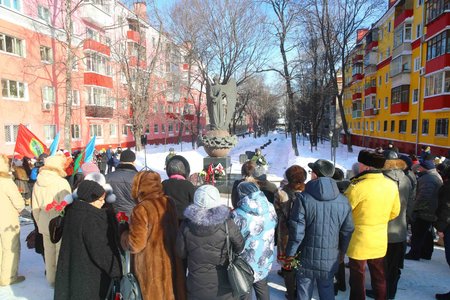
{"x":260,"y":160}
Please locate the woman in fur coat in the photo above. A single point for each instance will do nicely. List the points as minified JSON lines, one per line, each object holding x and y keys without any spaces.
{"x":202,"y":240}
{"x":151,"y":239}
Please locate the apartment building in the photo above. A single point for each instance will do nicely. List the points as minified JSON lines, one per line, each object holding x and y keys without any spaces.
{"x":397,"y":85}
{"x":106,"y":36}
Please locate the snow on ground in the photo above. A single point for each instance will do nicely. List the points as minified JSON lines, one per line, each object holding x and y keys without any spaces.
{"x":420,"y":279}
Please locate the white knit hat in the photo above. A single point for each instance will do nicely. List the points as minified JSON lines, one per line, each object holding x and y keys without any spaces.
{"x":207,"y":196}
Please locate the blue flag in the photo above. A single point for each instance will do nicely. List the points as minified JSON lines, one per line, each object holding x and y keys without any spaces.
{"x":54,"y":146}
{"x":89,"y":152}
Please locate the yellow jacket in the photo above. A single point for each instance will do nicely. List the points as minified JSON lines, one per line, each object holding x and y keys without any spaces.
{"x":375,"y":201}
{"x":11,"y":204}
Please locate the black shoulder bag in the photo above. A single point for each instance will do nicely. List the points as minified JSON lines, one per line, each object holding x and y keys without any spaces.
{"x":240,"y":273}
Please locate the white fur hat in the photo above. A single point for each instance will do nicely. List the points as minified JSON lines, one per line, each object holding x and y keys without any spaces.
{"x":100,"y":179}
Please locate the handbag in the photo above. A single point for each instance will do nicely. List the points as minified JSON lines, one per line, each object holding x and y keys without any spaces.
{"x":55,"y":228}
{"x":127,"y":288}
{"x":31,"y":239}
{"x":240,"y":273}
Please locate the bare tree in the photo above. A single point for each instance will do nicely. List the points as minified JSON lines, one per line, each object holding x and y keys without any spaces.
{"x":338,"y":21}
{"x":228,"y":41}
{"x":284,"y":26}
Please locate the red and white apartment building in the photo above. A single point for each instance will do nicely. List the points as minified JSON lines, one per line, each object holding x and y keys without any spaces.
{"x":32,"y":74}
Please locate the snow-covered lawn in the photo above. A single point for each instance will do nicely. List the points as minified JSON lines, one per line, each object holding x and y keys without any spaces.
{"x":420,"y":279}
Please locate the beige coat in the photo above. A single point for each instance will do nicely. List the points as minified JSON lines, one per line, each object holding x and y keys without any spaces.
{"x":11,"y":204}
{"x":48,"y":187}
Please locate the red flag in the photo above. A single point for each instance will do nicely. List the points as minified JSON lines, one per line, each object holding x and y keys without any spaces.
{"x":27,"y":144}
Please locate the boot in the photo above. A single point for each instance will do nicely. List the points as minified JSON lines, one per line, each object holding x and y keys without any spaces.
{"x":445,"y":296}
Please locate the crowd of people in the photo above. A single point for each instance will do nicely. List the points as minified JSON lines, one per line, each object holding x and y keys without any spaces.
{"x":177,"y":233}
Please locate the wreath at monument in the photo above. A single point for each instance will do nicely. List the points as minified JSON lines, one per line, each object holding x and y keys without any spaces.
{"x":211,"y":174}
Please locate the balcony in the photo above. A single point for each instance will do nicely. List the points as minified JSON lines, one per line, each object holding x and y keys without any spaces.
{"x":371,"y":59}
{"x":95,"y":111}
{"x":372,"y":45}
{"x":357,"y":77}
{"x":133,"y":61}
{"x":398,"y":108}
{"x":437,"y":63}
{"x":402,"y":16}
{"x":90,"y":44}
{"x":98,"y":80}
{"x":402,"y":49}
{"x":96,"y":14}
{"x":356,"y":96}
{"x":370,"y":112}
{"x":135,"y":36}
{"x":437,"y":24}
{"x":370,"y":90}
{"x":436,"y":102}
{"x":356,"y":114}
{"x":357,"y":58}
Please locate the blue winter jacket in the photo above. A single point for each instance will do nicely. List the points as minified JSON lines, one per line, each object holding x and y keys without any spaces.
{"x":320,"y":226}
{"x":256,"y":219}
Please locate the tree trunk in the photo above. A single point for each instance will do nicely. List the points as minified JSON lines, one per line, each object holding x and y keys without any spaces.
{"x":69,"y":63}
{"x":344,"y":123}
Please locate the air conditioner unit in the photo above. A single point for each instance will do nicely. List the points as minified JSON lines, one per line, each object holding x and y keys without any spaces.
{"x":422,"y":71}
{"x":375,"y":111}
{"x":46,"y":106}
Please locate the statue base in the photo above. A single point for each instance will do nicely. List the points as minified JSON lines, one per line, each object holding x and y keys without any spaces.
{"x":218,"y":143}
{"x":223,"y":184}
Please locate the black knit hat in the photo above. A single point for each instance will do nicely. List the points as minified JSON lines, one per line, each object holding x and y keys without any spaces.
{"x":127,"y":156}
{"x":322,"y":168}
{"x":371,"y":159}
{"x":89,"y":191}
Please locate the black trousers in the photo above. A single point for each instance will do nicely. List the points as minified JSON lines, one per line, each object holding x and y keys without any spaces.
{"x":261,"y":290}
{"x":421,"y":239}
{"x":393,"y":262}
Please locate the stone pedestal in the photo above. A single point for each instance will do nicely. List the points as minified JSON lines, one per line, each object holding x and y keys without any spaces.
{"x":223,"y":184}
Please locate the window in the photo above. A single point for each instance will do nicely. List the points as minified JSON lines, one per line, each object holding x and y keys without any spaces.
{"x":11,"y":44}
{"x":124,"y":129}
{"x":49,"y":132}
{"x":389,"y":27}
{"x":99,"y":97}
{"x":186,"y":130}
{"x":98,"y":63}
{"x":13,"y":89}
{"x":14,"y":4}
{"x":385,"y":126}
{"x":379,"y":80}
{"x":44,"y":13}
{"x":11,"y":133}
{"x":123,"y":103}
{"x":418,"y":31}
{"x":413,"y":126}
{"x":393,"y":126}
{"x":434,"y":83}
{"x":425,"y":125}
{"x":112,"y":130}
{"x":96,"y":129}
{"x":435,"y":8}
{"x":416,"y":64}
{"x":378,"y":126}
{"x":438,"y":45}
{"x":415,"y":96}
{"x":48,"y":94}
{"x":155,"y":108}
{"x":75,"y":98}
{"x":400,"y":94}
{"x":155,"y":128}
{"x":386,"y":102}
{"x":371,"y":126}
{"x":92,"y":34}
{"x":402,"y":126}
{"x":441,"y":127}
{"x":386,"y":77}
{"x":75,"y":65}
{"x":163,"y":128}
{"x":75,"y":131}
{"x":170,"y":128}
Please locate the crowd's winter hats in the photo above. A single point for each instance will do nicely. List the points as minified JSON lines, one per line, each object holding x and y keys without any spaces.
{"x":248,"y":168}
{"x":88,"y":168}
{"x":428,"y":162}
{"x":207,"y":196}
{"x":246,"y":188}
{"x":371,"y":159}
{"x":178,"y":165}
{"x":90,"y":191}
{"x":171,"y":150}
{"x":338,"y":174}
{"x":390,"y":154}
{"x":127,"y":156}
{"x":260,"y":173}
{"x":100,"y":179}
{"x":322,"y":168}
{"x":407,"y":160}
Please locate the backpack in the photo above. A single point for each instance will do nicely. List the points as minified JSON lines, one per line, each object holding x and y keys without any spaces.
{"x":125,"y":288}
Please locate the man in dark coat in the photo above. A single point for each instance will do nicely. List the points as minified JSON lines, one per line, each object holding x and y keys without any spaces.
{"x":89,"y":257}
{"x":320,"y":228}
{"x":121,"y":181}
{"x":424,"y":212}
{"x":177,"y":188}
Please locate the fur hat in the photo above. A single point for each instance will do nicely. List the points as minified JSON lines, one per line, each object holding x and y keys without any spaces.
{"x":100,"y":179}
{"x":338,"y":174}
{"x":260,"y":174}
{"x":127,"y":156}
{"x":390,"y":154}
{"x":407,"y":160}
{"x":207,"y":196}
{"x":147,"y":186}
{"x":322,"y":168}
{"x":88,"y":168}
{"x":296,"y":177}
{"x":371,"y":159}
{"x":178,"y":165}
{"x":428,"y":162}
{"x":55,"y":163}
{"x":90,"y":191}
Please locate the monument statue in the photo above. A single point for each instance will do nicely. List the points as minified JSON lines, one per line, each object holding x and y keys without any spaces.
{"x":221,"y":102}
